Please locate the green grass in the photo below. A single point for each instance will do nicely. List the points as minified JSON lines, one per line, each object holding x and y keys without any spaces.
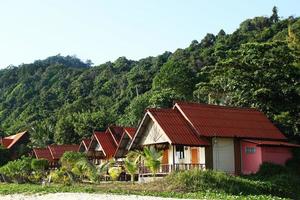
{"x":149,"y":189}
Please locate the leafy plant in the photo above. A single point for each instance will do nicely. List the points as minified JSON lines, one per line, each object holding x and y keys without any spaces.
{"x":114,"y":172}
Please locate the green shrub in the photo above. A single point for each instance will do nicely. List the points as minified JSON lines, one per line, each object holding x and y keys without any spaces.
{"x":114,"y":172}
{"x":77,"y":167}
{"x":60,"y":176}
{"x":17,"y":170}
{"x":4,"y":155}
{"x":201,"y":181}
{"x":39,"y":165}
{"x":270,"y":169}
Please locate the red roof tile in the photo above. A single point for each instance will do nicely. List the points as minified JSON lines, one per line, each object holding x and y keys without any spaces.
{"x":58,"y":150}
{"x":107,"y":143}
{"x":6,"y":142}
{"x":116,"y":132}
{"x":42,"y":153}
{"x":85,"y":143}
{"x":176,"y":127}
{"x":272,"y":143}
{"x":126,"y":138}
{"x":213,"y":120}
{"x":130,"y":131}
{"x":9,"y":141}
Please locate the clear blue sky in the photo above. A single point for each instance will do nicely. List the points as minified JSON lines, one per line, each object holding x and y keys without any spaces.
{"x":103,"y":30}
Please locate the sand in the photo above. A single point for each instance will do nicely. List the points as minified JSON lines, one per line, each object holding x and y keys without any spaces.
{"x":79,"y":196}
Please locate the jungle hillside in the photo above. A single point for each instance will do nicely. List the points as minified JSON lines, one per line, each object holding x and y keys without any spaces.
{"x":62,"y":99}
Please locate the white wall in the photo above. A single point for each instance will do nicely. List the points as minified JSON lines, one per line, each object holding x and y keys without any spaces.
{"x":187,"y":155}
{"x":202,"y":155}
{"x":223,"y":154}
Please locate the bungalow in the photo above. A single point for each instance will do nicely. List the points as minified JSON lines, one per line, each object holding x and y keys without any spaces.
{"x":125,"y":140}
{"x":84,"y":146}
{"x":102,"y":146}
{"x":16,"y":143}
{"x":113,"y":143}
{"x":44,"y":153}
{"x":53,"y":153}
{"x":234,"y":140}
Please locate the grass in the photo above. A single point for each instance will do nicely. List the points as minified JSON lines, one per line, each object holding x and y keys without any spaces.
{"x":158,"y":188}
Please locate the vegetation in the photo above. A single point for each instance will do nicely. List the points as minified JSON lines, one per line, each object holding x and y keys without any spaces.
{"x":162,"y":188}
{"x":62,"y":99}
{"x":5,"y":155}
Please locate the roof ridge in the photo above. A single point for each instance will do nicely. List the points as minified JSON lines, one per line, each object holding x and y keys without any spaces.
{"x":218,"y":106}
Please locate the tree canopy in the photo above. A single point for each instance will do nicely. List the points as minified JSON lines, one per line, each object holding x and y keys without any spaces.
{"x":63,"y":99}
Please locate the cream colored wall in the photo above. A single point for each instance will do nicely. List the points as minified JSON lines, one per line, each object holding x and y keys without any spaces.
{"x":154,"y":134}
{"x":170,"y":154}
{"x":223,"y":154}
{"x":202,"y":155}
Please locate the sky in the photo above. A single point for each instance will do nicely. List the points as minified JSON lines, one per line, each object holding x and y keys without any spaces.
{"x":103,"y":30}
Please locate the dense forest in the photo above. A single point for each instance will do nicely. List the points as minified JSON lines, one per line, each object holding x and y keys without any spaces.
{"x":63,"y":99}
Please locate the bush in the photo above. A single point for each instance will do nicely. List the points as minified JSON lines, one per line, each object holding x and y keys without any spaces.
{"x":270,"y":169}
{"x":201,"y":181}
{"x":60,"y":176}
{"x":5,"y":155}
{"x":114,"y":172}
{"x":77,"y":167}
{"x":17,"y":170}
{"x":39,"y":165}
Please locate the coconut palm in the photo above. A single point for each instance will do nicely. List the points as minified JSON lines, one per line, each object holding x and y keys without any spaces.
{"x":152,"y":159}
{"x":132,"y":163}
{"x":150,"y":156}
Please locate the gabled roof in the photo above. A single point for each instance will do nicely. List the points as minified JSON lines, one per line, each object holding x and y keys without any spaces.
{"x":85,"y":143}
{"x":42,"y":153}
{"x":107,"y":143}
{"x":126,"y":138}
{"x":130,"y":131}
{"x":9,"y":141}
{"x":173,"y":124}
{"x":272,"y":143}
{"x":176,"y":127}
{"x":58,"y":150}
{"x":222,"y":121}
{"x":116,"y":132}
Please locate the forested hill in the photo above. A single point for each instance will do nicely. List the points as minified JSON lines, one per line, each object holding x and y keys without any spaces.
{"x":62,"y":99}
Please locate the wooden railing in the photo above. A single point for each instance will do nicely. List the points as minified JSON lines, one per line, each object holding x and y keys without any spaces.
{"x":168,"y":168}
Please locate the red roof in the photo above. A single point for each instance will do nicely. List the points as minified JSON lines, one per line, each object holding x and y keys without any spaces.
{"x":272,"y":143}
{"x":213,"y":120}
{"x":126,"y":138}
{"x":107,"y":143}
{"x":85,"y":143}
{"x":116,"y":132}
{"x":9,"y":141}
{"x":58,"y":150}
{"x":130,"y":131}
{"x":176,"y":127}
{"x":42,"y":153}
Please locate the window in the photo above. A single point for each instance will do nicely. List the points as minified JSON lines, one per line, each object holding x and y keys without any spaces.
{"x":250,"y":150}
{"x":180,"y":152}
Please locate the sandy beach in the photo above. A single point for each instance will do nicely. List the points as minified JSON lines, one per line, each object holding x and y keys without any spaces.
{"x":79,"y":196}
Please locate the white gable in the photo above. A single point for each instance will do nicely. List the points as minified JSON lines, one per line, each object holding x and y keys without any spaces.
{"x":154,"y":134}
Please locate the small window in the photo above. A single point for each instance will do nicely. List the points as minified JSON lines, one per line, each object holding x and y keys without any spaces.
{"x":250,"y":150}
{"x":180,"y":152}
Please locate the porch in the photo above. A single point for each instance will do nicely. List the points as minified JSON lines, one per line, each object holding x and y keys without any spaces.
{"x":166,"y":169}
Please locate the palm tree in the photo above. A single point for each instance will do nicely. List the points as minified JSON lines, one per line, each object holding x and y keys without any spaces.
{"x":103,"y":169}
{"x":152,"y":158}
{"x":132,"y":164}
